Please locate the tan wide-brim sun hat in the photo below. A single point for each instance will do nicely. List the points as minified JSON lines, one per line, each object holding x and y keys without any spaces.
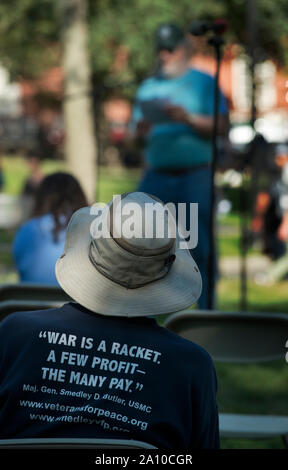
{"x":124,"y":276}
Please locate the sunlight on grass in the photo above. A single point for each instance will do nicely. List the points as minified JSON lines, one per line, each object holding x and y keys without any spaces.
{"x":116,"y":181}
{"x":16,"y":172}
{"x":111,"y":181}
{"x":259,"y":298}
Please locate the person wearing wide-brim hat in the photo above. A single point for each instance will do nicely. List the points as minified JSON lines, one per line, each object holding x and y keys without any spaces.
{"x":101,"y":366}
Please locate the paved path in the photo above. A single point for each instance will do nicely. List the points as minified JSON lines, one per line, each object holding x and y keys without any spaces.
{"x":230,"y":266}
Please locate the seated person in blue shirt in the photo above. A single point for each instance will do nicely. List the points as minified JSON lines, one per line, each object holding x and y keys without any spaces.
{"x":40,"y":241}
{"x":173,"y":116}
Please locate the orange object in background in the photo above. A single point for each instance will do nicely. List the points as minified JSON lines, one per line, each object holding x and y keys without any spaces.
{"x":263,"y":200}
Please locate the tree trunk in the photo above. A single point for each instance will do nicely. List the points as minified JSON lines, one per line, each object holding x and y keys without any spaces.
{"x":80,"y":141}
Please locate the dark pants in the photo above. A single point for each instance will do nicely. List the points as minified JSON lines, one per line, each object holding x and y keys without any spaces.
{"x":191,"y":187}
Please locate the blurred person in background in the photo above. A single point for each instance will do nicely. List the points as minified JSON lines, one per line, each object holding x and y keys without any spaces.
{"x":33,"y":161}
{"x":40,"y":241}
{"x":173,"y":118}
{"x":272,"y":218}
{"x":266,"y":166}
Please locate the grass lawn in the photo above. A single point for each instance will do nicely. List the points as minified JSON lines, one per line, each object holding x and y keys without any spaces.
{"x":112,"y":181}
{"x":244,"y":389}
{"x":259,"y":298}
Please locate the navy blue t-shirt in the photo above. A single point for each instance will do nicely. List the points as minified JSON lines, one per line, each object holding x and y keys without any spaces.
{"x":68,"y":372}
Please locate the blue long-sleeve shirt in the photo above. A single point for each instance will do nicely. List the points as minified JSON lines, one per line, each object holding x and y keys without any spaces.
{"x":35,"y":251}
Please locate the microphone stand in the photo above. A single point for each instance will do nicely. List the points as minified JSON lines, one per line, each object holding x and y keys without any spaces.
{"x":217,"y":42}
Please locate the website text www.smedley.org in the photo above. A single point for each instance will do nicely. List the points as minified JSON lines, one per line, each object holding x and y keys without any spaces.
{"x":72,"y":418}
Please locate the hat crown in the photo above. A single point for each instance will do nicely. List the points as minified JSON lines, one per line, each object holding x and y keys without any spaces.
{"x":137,"y":247}
{"x":143,"y":223}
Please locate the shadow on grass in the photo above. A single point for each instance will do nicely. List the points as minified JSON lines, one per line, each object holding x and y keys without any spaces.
{"x":275,"y":443}
{"x":253,"y":389}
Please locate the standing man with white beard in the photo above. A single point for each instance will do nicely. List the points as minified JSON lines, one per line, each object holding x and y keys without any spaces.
{"x":173,"y":112}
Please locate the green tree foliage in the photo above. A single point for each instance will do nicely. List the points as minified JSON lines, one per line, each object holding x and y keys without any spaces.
{"x":30,"y":31}
{"x":28,"y":36}
{"x":132,"y":23}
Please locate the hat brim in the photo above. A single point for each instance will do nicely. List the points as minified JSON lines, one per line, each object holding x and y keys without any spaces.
{"x":78,"y":277}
